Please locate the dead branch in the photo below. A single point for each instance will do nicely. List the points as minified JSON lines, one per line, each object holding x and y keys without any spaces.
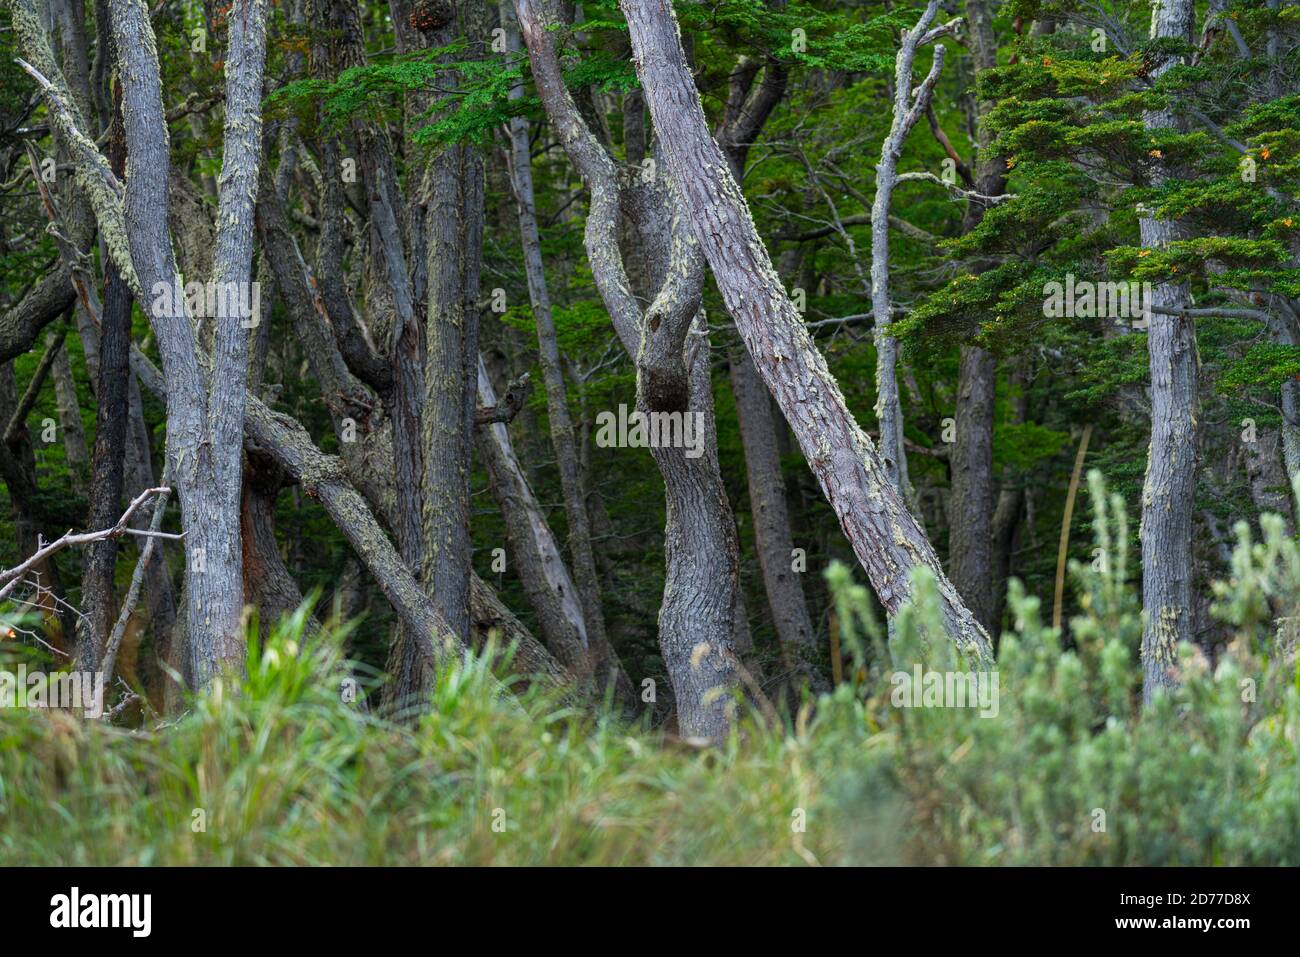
{"x":11,"y":577}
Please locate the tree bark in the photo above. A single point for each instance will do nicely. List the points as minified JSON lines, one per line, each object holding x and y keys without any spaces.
{"x":697,"y":615}
{"x":205,"y":395}
{"x":970,"y":535}
{"x":772,"y":538}
{"x":1170,"y":486}
{"x":74,"y":433}
{"x":545,"y":578}
{"x":909,"y":106}
{"x":886,"y":538}
{"x":99,"y":564}
{"x":50,"y":298}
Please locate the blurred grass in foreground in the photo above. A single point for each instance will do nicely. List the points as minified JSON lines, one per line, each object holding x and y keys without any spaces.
{"x":1070,"y":771}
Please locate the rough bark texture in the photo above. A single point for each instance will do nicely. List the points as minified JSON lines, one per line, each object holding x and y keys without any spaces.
{"x":205,"y":395}
{"x":537,"y":558}
{"x":885,"y":537}
{"x":1170,"y":486}
{"x":696,"y":619}
{"x":46,"y":301}
{"x":750,"y":101}
{"x":440,"y":492}
{"x":970,"y":513}
{"x":70,"y":426}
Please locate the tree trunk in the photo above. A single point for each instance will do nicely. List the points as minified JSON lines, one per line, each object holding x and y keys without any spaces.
{"x":971,"y":539}
{"x":99,"y":563}
{"x":696,"y":618}
{"x":605,"y":661}
{"x":908,"y":108}
{"x":1170,"y":486}
{"x":772,"y":538}
{"x":74,"y":433}
{"x":970,"y":536}
{"x":205,"y":395}
{"x":886,"y":538}
{"x":541,"y":568}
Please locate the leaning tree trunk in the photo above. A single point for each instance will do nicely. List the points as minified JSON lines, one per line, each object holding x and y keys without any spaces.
{"x":885,"y":537}
{"x":1170,"y":486}
{"x":749,"y":104}
{"x":605,"y":662}
{"x":541,"y":568}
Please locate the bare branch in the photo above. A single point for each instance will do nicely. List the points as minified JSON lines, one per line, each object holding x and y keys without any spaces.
{"x":12,"y":576}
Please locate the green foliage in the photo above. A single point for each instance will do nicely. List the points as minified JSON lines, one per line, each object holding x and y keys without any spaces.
{"x":287,"y":772}
{"x":1072,"y":770}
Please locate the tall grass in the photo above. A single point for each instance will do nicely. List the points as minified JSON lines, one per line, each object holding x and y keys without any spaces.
{"x":282,"y":770}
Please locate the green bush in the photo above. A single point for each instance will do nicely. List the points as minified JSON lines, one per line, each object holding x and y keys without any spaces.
{"x":1072,"y":770}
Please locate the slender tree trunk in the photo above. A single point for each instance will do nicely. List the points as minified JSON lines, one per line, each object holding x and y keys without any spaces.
{"x":74,"y":434}
{"x":908,"y":108}
{"x":541,"y":568}
{"x":971,"y":540}
{"x":1011,"y":502}
{"x":772,"y":538}
{"x":450,"y":374}
{"x":1170,"y":486}
{"x":605,"y":661}
{"x":99,"y":563}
